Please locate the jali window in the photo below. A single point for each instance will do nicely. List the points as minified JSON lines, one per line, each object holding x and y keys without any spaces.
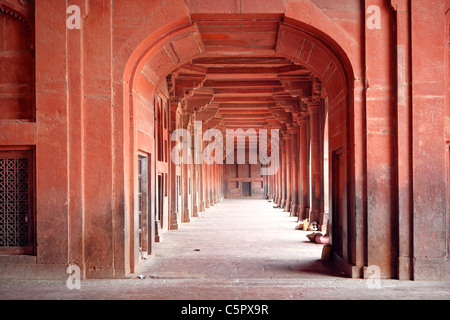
{"x":16,"y":202}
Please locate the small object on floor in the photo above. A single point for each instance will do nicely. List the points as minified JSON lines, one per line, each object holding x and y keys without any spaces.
{"x":321,"y":239}
{"x":312,"y":236}
{"x":312,"y":226}
{"x":197,"y":249}
{"x":302,"y":225}
{"x":305,"y":225}
{"x":326,"y":252}
{"x":141,"y":277}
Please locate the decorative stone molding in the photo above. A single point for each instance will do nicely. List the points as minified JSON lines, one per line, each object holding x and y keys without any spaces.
{"x":23,"y":10}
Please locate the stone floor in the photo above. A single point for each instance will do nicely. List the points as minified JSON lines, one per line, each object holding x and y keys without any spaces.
{"x":236,"y":250}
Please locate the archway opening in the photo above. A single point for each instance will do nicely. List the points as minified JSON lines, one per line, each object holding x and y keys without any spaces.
{"x":244,"y":75}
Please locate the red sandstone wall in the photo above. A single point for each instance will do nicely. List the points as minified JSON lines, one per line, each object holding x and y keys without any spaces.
{"x":16,"y":68}
{"x":95,"y":98}
{"x":235,"y":175}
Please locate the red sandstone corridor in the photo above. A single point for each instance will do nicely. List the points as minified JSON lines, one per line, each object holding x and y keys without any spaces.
{"x":121,"y":129}
{"x":248,"y":251}
{"x":238,"y":239}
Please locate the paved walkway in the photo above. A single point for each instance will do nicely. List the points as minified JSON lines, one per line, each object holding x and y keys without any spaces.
{"x":238,"y":239}
{"x":236,"y":250}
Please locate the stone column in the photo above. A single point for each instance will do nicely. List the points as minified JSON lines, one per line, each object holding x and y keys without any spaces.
{"x":280,"y":177}
{"x":429,"y":123}
{"x":185,"y":188}
{"x":295,"y":173}
{"x":304,"y":169}
{"x":206,"y":184}
{"x":283,"y":173}
{"x":215,"y":197}
{"x":276,"y":176}
{"x":194,"y":188}
{"x":218,"y":183}
{"x":274,"y":182}
{"x":404,"y":140}
{"x":316,"y":212}
{"x":173,"y":196}
{"x":382,"y":208}
{"x":288,"y":152}
{"x":210,"y":185}
{"x":201,"y":191}
{"x":222,"y":172}
{"x":214,"y":189}
{"x":269,"y":187}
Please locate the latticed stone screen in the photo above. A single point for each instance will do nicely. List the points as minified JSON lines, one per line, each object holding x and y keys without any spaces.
{"x":15,"y":200}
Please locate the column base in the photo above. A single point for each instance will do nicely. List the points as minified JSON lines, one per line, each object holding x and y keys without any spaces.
{"x":316,"y":215}
{"x":276,"y":201}
{"x":303,"y":213}
{"x":294,"y":210}
{"x":173,"y":225}
{"x":287,"y":207}
{"x":158,"y":235}
{"x":186,"y":218}
{"x":194,"y":211}
{"x":324,"y":222}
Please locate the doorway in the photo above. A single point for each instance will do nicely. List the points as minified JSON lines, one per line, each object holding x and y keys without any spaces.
{"x":160,"y":208}
{"x":337,"y":196}
{"x":143,"y":206}
{"x":246,"y":189}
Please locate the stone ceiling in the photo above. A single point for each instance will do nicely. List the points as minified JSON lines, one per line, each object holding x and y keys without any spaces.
{"x":241,"y":82}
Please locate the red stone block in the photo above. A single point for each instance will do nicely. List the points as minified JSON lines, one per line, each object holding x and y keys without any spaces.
{"x":211,"y":8}
{"x":290,"y":44}
{"x":306,"y":52}
{"x":16,"y":107}
{"x":17,"y":133}
{"x":318,"y":60}
{"x":160,"y":63}
{"x":274,"y":8}
{"x":146,"y":88}
{"x":187,"y":47}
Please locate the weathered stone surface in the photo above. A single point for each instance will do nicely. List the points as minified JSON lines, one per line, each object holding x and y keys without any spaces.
{"x":90,"y":103}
